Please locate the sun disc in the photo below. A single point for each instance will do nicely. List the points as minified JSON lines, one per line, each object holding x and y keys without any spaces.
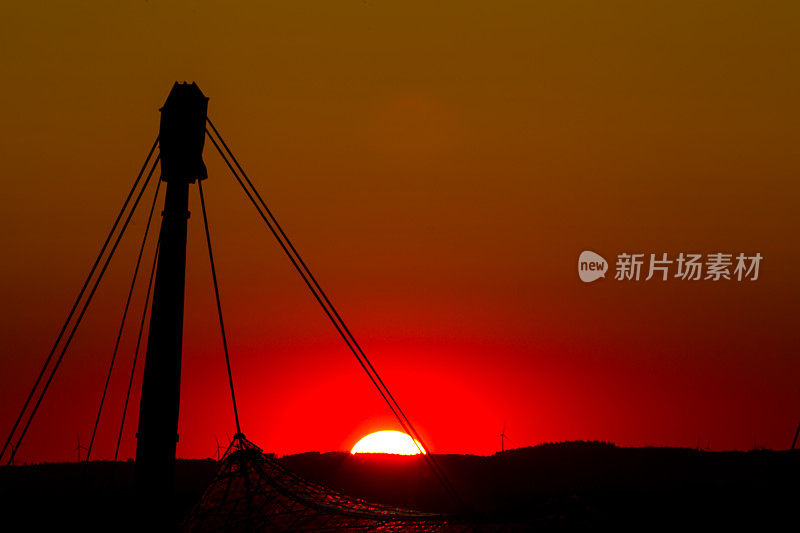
{"x":395,"y":442}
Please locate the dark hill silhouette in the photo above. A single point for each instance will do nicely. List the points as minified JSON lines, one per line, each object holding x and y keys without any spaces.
{"x":565,"y":486}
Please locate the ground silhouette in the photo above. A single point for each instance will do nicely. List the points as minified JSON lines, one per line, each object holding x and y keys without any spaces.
{"x":570,"y":486}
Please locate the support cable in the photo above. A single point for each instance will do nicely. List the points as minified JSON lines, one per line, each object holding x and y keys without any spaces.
{"x":336,"y":325}
{"x":77,"y":301}
{"x":136,"y":351}
{"x":291,"y":258}
{"x":219,"y":306}
{"x":418,"y":442}
{"x":316,"y":284}
{"x":122,"y":323}
{"x":15,"y":448}
{"x":336,"y":320}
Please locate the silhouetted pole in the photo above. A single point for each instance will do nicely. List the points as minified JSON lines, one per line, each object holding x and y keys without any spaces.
{"x":796,"y":434}
{"x":181,"y":139}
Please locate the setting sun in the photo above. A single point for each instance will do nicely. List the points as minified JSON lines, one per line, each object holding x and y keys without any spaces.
{"x":394,"y":442}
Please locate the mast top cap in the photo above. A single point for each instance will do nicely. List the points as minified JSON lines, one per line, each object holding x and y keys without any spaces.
{"x":182,"y":133}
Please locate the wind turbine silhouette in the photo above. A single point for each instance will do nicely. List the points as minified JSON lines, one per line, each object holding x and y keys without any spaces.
{"x":78,"y":448}
{"x":503,"y":438}
{"x":218,"y":446}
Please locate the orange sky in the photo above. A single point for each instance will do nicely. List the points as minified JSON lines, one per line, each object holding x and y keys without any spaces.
{"x":440,"y":167}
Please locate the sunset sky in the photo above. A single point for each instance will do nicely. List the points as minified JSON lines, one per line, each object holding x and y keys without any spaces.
{"x":440,"y":166}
